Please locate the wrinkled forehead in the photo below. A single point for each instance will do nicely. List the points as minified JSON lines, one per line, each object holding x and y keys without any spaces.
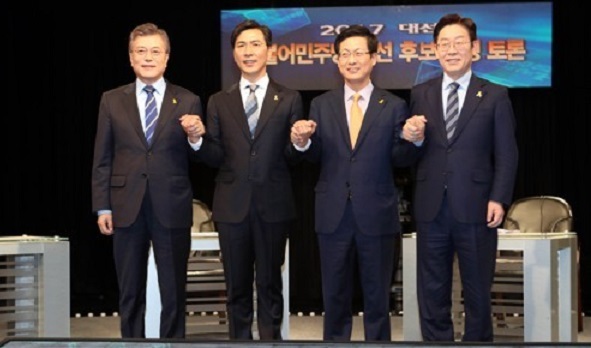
{"x":149,"y":41}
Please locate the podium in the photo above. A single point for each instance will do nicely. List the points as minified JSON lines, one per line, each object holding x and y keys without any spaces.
{"x":34,"y":287}
{"x":202,"y":241}
{"x":550,"y":291}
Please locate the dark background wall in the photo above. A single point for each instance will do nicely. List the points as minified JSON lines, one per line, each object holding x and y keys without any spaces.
{"x":58,"y":60}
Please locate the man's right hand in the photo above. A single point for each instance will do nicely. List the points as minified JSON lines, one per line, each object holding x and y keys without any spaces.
{"x":301,"y":131}
{"x":414,"y":128}
{"x":193,"y":126}
{"x":105,"y":224}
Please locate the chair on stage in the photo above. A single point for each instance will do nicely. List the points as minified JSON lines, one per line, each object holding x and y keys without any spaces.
{"x":535,"y":214}
{"x":202,"y":221}
{"x":540,"y":214}
{"x":546,"y":214}
{"x":206,"y":290}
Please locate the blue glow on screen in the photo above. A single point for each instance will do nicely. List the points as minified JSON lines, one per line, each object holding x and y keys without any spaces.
{"x":515,"y":43}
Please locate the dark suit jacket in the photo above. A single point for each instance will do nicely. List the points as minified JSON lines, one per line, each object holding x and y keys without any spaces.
{"x":125,"y":167}
{"x":252,"y":170}
{"x":477,"y":164}
{"x":364,"y":175}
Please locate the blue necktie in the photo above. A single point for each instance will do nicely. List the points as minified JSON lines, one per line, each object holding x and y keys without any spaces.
{"x":151,"y":113}
{"x":452,"y":111}
{"x":250,"y":108}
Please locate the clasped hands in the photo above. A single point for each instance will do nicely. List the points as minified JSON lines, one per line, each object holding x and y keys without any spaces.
{"x":193,"y":126}
{"x":414,"y":128}
{"x":301,"y":131}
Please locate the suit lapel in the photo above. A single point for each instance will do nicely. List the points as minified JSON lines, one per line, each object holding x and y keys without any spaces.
{"x":374,"y":108}
{"x":169,"y":105}
{"x":473,"y":98}
{"x":236,"y":107}
{"x":132,"y":112}
{"x":338,"y":107}
{"x":434,"y":99}
{"x":273,"y":97}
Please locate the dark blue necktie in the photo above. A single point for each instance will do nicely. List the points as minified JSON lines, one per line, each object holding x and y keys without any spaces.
{"x":151,"y":113}
{"x":452,"y":112}
{"x":250,"y":108}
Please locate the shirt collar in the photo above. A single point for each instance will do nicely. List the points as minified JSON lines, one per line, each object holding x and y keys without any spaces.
{"x":365,"y":92}
{"x":464,"y":81}
{"x":263,"y":82}
{"x":159,"y":86}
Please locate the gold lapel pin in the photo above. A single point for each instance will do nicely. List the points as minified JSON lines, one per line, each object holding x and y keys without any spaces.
{"x":174,"y":100}
{"x":275,"y":97}
{"x":381,"y":101}
{"x":479,"y":94}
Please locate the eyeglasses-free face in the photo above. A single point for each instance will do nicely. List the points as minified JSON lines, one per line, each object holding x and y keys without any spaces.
{"x":251,"y":54}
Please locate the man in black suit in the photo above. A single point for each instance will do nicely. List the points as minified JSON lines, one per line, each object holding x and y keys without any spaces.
{"x":247,"y":137}
{"x":464,"y":181}
{"x":356,"y":199}
{"x":140,"y":182}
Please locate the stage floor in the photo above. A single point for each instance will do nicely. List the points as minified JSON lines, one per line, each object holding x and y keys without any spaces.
{"x":302,"y":328}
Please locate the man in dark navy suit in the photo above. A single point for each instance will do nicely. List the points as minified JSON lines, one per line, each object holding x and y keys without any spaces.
{"x":247,"y":138}
{"x":356,"y":137}
{"x":465,"y":128}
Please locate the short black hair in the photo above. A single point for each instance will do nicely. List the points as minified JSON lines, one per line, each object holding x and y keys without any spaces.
{"x":251,"y":24}
{"x":454,"y":18}
{"x":357,"y":30}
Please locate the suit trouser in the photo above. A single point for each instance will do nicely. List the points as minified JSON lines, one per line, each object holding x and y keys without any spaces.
{"x":375,"y":262}
{"x":475,"y":245}
{"x":246,"y":246}
{"x":131,"y":248}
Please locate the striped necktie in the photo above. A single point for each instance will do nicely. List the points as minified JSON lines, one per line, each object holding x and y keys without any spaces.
{"x":452,"y":112}
{"x":250,"y":108}
{"x":356,"y":119}
{"x":151,"y":113}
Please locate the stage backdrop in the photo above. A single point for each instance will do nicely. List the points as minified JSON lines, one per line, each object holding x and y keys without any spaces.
{"x":514,"y":43}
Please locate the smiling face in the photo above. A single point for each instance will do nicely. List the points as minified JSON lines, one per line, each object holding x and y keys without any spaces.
{"x":454,"y":50}
{"x":250,"y":54}
{"x":355,"y":62}
{"x":148,"y":57}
